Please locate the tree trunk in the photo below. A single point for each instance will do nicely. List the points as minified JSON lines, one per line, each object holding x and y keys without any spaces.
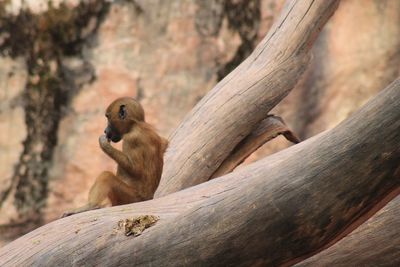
{"x":276,"y":211}
{"x":237,"y":104}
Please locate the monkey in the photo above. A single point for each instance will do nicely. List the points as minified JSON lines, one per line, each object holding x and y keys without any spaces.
{"x":139,"y":164}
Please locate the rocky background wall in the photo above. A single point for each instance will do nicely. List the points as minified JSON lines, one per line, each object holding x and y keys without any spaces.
{"x":62,"y":62}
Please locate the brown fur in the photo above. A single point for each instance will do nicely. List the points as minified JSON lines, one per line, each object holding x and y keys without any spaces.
{"x":140,"y":162}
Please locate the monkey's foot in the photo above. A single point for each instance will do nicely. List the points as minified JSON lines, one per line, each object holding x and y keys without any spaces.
{"x":68,"y":213}
{"x":79,"y":210}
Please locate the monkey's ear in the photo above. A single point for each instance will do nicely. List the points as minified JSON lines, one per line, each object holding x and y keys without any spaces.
{"x":122,"y":112}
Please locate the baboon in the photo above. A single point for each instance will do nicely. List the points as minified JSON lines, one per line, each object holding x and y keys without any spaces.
{"x":140,"y":162}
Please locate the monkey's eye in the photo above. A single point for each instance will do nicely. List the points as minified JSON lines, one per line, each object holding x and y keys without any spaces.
{"x":122,"y":112}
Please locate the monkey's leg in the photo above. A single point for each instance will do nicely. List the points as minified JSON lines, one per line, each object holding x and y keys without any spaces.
{"x":107,"y":190}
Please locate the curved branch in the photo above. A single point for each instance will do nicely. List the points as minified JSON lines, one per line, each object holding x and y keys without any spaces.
{"x":276,"y":211}
{"x":237,"y":104}
{"x":268,"y":129}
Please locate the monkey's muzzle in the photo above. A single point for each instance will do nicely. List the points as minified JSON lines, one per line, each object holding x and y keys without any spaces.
{"x":112,"y":134}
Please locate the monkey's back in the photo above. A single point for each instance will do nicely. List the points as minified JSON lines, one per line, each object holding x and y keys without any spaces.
{"x":146,"y":148}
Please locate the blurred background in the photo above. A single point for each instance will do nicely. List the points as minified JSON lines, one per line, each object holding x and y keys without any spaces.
{"x":63,"y":62}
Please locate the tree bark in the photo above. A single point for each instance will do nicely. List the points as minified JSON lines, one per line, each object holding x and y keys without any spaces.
{"x":276,"y":211}
{"x":237,"y":104}
{"x":374,"y":243}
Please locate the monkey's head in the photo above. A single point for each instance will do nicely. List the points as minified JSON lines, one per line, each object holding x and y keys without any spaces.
{"x":122,"y":114}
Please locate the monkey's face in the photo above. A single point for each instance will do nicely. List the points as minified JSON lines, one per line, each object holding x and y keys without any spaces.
{"x":122,"y":114}
{"x":112,"y":133}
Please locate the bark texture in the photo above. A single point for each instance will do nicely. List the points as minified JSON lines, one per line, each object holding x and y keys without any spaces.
{"x":374,"y":243}
{"x":273,"y":212}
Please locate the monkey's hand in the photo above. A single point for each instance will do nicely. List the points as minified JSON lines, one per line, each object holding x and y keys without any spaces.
{"x":104,"y":143}
{"x":120,"y":157}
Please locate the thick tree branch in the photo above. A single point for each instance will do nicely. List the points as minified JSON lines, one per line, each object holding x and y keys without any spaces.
{"x":275,"y":211}
{"x":238,"y":103}
{"x":268,"y":129}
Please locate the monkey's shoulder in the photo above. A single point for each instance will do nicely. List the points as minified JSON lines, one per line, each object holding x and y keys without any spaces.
{"x":142,"y":139}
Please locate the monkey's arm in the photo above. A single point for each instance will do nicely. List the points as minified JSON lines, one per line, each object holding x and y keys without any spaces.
{"x":122,"y":160}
